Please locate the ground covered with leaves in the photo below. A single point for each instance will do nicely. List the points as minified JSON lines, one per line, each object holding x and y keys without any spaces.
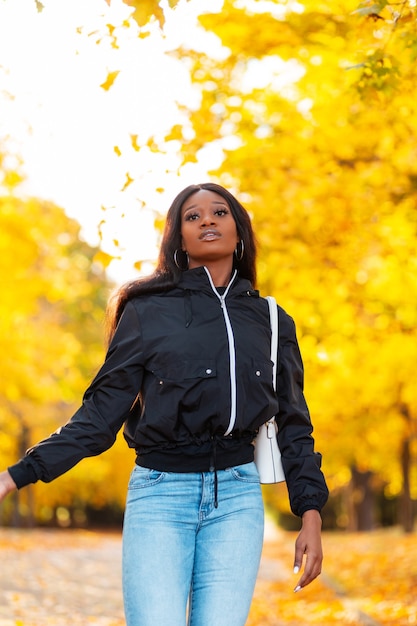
{"x":368,"y":579}
{"x":63,"y":578}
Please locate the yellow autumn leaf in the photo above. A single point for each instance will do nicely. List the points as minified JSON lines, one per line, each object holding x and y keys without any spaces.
{"x":128,"y":181}
{"x":103,"y":258}
{"x":134,"y":142}
{"x":111,"y":77}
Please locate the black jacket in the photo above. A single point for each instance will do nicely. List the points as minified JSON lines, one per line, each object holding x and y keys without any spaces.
{"x":188,"y":373}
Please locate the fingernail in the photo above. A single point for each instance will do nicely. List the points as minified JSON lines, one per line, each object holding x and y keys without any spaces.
{"x":296,"y":569}
{"x":297,"y":588}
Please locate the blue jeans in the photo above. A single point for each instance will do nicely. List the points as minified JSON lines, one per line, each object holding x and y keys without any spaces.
{"x":179,"y":550}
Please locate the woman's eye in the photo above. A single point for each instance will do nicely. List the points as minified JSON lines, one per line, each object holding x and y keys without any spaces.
{"x":221,"y":212}
{"x":190,"y":217}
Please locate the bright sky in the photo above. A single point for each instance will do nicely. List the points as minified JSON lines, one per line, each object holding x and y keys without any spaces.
{"x":65,"y":126}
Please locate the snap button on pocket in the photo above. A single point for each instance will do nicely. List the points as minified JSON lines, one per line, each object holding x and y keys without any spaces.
{"x":258,"y":372}
{"x":208,"y":371}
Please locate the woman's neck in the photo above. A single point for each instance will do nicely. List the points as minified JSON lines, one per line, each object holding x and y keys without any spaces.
{"x":220,"y":274}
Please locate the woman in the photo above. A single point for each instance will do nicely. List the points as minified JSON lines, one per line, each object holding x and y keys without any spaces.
{"x":188,"y":373}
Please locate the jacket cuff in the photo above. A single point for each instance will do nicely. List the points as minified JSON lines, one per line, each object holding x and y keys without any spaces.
{"x":308,"y":507}
{"x":23,"y":473}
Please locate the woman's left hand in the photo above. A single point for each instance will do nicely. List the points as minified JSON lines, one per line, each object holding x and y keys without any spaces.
{"x":7,"y":484}
{"x":309,"y":543}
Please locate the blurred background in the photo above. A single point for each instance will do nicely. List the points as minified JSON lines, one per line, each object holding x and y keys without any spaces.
{"x":306,"y":110}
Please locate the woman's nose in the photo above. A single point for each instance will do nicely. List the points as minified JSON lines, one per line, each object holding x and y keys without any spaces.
{"x":207,"y":219}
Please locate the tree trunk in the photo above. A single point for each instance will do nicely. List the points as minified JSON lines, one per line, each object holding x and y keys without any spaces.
{"x":27,"y":518}
{"x":361,"y":501}
{"x":406,"y":507}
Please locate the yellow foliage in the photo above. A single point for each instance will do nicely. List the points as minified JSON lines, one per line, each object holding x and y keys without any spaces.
{"x":324,"y":157}
{"x":51,"y":340}
{"x":146,"y":10}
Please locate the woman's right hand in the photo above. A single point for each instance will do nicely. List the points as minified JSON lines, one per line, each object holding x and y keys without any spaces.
{"x":7,"y":484}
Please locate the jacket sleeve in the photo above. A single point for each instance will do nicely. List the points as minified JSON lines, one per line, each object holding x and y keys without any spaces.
{"x":106,"y":405}
{"x":305,"y":481}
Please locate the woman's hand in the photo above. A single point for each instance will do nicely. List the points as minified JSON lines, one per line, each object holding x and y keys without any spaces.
{"x":7,"y":484}
{"x":309,"y":543}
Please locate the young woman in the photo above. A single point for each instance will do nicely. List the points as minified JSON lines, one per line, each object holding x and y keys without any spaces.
{"x":189,"y":376}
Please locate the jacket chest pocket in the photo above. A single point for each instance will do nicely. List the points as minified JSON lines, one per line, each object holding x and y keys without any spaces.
{"x":183,"y":373}
{"x":185,"y":395}
{"x":256,"y":397}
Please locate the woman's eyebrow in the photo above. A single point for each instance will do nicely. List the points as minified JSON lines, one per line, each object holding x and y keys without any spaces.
{"x":195,"y":206}
{"x":189,"y":208}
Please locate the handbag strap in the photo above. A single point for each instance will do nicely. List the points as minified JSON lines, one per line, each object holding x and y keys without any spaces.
{"x":273,"y":316}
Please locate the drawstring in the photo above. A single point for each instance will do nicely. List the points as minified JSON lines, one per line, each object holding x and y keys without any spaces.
{"x":214,"y":468}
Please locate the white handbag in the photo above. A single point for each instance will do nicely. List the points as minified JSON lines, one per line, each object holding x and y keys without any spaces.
{"x":267,"y":453}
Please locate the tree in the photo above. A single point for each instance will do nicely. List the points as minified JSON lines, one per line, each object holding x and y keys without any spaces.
{"x":51,"y":339}
{"x":314,"y":109}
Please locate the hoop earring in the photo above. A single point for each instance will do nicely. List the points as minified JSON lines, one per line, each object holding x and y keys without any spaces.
{"x":239,"y":253}
{"x":183,"y":252}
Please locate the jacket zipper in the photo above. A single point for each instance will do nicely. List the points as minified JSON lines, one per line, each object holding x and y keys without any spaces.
{"x":232,"y":351}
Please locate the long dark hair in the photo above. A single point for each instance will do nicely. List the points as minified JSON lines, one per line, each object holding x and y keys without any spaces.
{"x":167,"y":274}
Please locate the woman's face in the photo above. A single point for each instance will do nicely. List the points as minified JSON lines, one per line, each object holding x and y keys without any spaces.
{"x":208,"y":228}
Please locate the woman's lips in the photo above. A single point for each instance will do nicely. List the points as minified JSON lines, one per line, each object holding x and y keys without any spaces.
{"x":209,"y":234}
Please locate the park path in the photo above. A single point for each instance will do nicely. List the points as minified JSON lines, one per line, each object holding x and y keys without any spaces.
{"x":60,"y":578}
{"x":72,"y":578}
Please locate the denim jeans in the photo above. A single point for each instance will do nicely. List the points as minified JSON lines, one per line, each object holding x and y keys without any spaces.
{"x":180,"y":551}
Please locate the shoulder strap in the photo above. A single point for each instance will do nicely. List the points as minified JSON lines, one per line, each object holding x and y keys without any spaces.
{"x":273,"y":315}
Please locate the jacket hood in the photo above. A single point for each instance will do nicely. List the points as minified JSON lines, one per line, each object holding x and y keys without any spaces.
{"x":197,"y":279}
